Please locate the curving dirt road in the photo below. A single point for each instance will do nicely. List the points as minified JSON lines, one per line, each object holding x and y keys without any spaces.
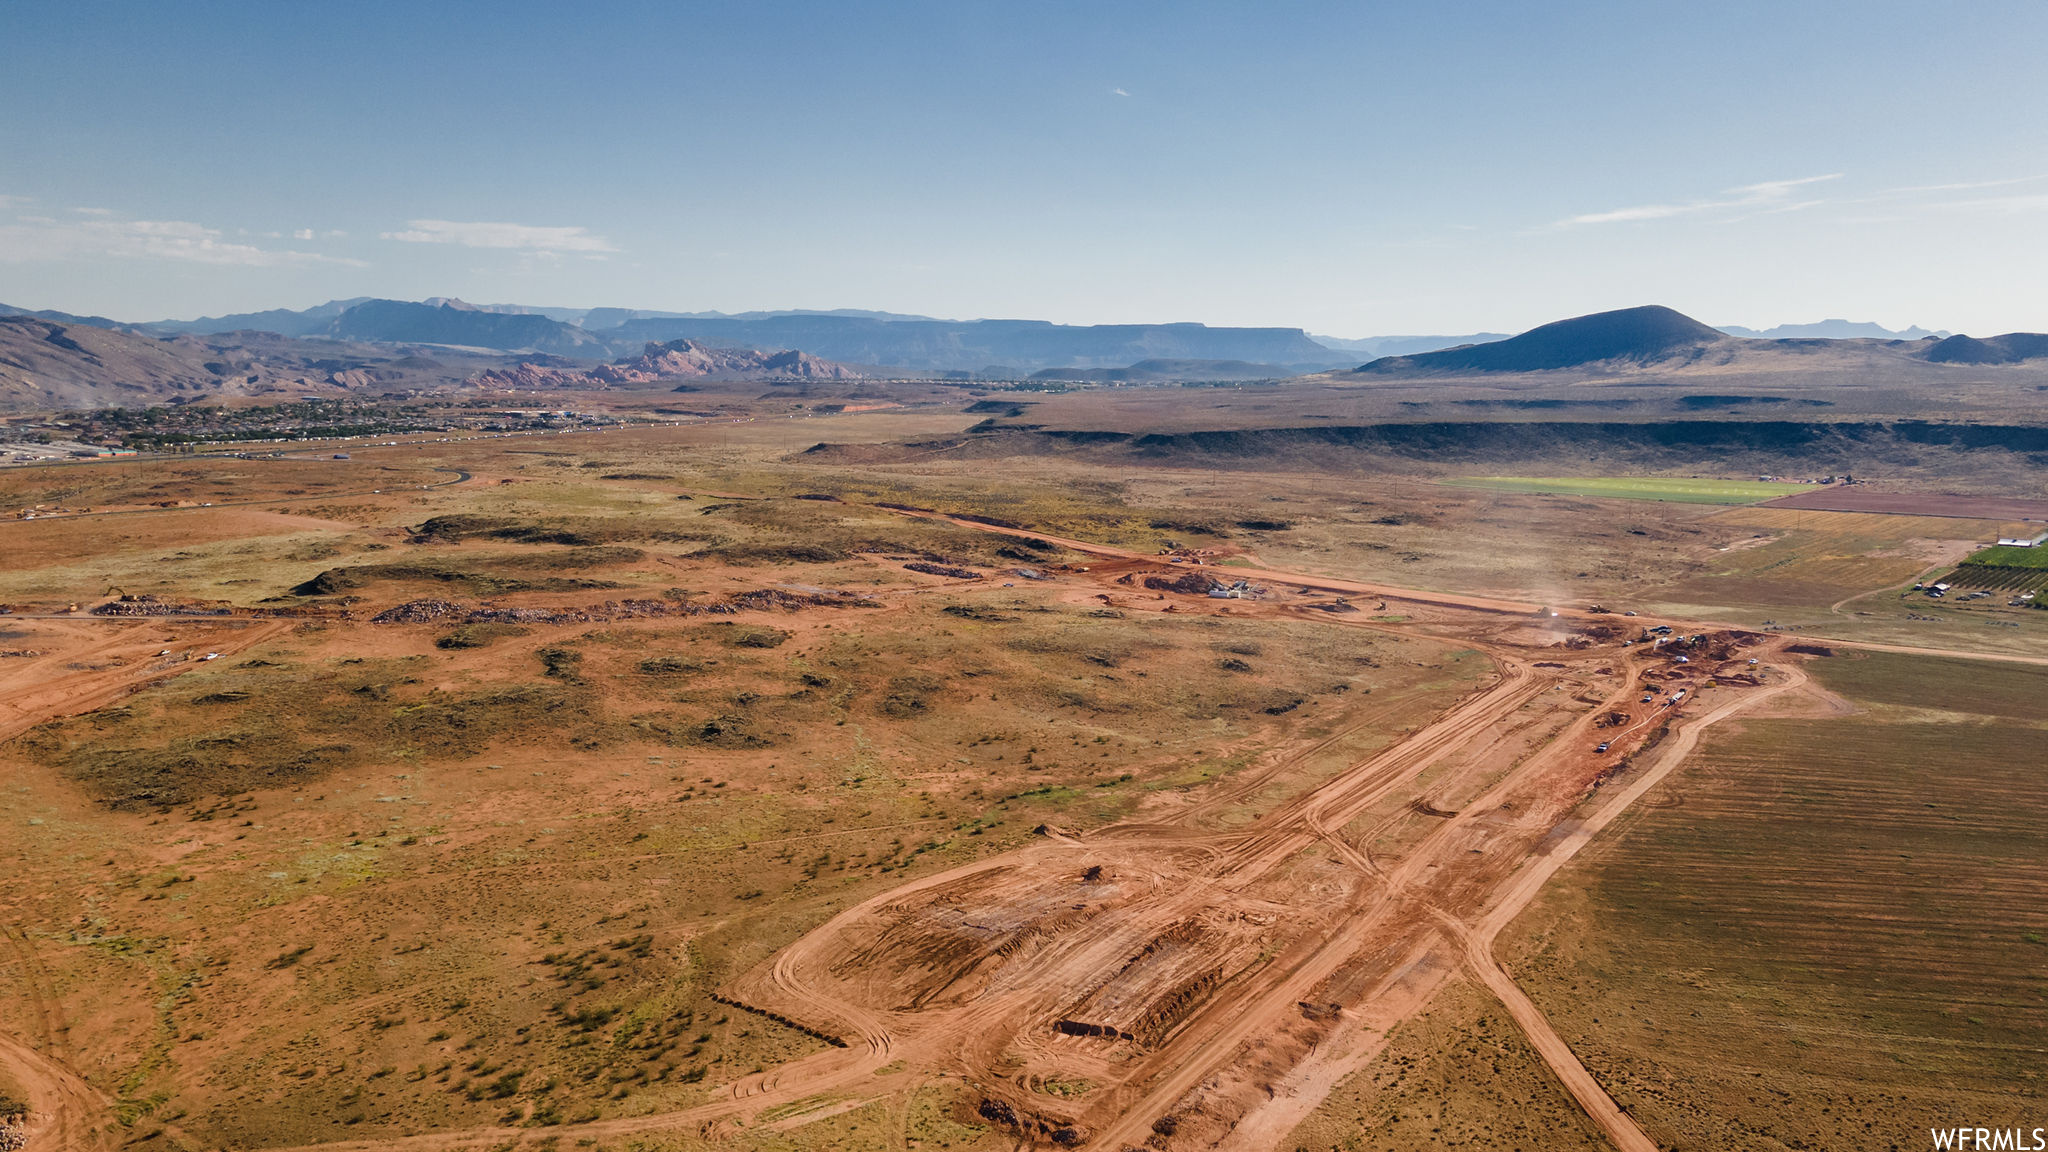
{"x":65,"y":1112}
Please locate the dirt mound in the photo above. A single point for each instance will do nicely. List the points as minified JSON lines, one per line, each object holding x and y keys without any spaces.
{"x":948,"y":570}
{"x":151,"y":606}
{"x":1190,"y":583}
{"x":417,"y":612}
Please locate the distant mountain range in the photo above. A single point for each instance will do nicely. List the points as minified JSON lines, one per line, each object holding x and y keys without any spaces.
{"x":1831,"y":330}
{"x":993,"y":348}
{"x":1654,"y":336}
{"x":1000,"y":348}
{"x":885,"y":343}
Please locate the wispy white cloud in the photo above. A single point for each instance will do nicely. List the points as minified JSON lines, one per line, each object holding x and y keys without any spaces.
{"x":1768,"y":196}
{"x":1965,"y":186}
{"x":1118,"y":92}
{"x":484,"y":234}
{"x":1920,"y":201}
{"x":103,"y":232}
{"x":2008,"y":205}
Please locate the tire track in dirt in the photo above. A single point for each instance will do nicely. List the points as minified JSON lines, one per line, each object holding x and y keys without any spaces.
{"x":44,"y":700}
{"x":65,"y":1112}
{"x":68,"y":1113}
{"x":1222,"y":1028}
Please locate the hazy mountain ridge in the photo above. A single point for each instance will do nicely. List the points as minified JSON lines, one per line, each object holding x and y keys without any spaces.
{"x":60,"y":317}
{"x":312,"y":321}
{"x":397,"y":321}
{"x":966,"y":347}
{"x":1404,"y":345}
{"x":48,"y":365}
{"x":992,"y":347}
{"x":983,"y":347}
{"x":1830,"y":330}
{"x":676,"y":360}
{"x":1653,"y":336}
{"x":62,"y":365}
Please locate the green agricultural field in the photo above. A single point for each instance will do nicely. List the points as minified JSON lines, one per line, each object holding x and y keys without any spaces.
{"x":1681,"y":490}
{"x":2010,"y":557}
{"x":2003,"y":569}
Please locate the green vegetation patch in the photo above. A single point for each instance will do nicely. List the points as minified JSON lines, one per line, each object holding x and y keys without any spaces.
{"x":482,"y":575}
{"x":2007,"y":556}
{"x":271,"y":731}
{"x":572,"y":531}
{"x":1999,"y":579}
{"x":1459,"y":1074}
{"x":1682,"y":490}
{"x":2004,"y":569}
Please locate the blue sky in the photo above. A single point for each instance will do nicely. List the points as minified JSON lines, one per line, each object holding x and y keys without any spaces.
{"x":1354,"y":169}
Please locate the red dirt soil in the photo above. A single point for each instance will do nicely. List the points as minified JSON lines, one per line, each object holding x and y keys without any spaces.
{"x":1206,"y":982}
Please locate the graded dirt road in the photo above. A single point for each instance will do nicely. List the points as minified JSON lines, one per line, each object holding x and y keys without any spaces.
{"x":1184,"y":969}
